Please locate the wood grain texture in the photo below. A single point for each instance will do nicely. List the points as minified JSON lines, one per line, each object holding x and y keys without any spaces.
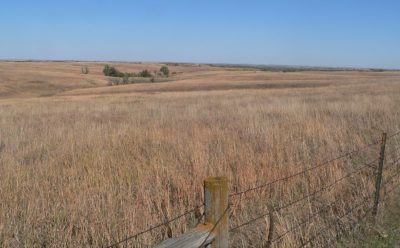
{"x":192,"y":239}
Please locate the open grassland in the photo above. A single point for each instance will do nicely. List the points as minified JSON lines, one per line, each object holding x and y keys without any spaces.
{"x":42,"y":79}
{"x":92,"y":164}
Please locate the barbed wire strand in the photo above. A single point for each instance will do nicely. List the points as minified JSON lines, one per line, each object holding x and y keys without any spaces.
{"x":354,"y":225}
{"x":389,"y":191}
{"x":390,"y":178}
{"x":393,"y":162}
{"x":315,"y":192}
{"x":302,"y":172}
{"x":300,"y":199}
{"x":396,"y":149}
{"x":305,"y":220}
{"x":153,"y":227}
{"x":393,"y":188}
{"x":374,"y":166}
{"x":366,"y":213}
{"x":393,"y":135}
{"x":215,"y":226}
{"x":339,"y":218}
{"x":262,"y":186}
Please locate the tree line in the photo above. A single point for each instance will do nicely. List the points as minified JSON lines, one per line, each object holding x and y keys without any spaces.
{"x":111,"y":71}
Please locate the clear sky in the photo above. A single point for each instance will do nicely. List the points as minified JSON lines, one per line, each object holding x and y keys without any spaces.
{"x":355,"y":33}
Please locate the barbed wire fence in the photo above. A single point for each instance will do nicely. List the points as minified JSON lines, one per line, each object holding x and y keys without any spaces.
{"x":344,"y":220}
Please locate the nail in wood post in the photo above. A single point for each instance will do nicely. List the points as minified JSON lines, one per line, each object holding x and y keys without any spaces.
{"x":379,"y":175}
{"x":216,"y":203}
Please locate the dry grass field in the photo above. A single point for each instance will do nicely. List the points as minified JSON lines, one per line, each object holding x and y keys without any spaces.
{"x":83,"y":164}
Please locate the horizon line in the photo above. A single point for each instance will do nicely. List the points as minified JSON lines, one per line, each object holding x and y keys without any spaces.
{"x":287,"y":66}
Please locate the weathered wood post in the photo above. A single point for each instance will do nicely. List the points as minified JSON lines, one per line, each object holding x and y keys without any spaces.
{"x":216,"y":205}
{"x":214,"y":232}
{"x":378,"y":179}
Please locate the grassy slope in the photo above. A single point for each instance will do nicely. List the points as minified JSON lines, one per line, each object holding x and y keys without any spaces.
{"x":84,"y":170}
{"x":43,"y":79}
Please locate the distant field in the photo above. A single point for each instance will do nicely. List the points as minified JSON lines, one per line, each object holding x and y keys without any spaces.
{"x":83,"y":164}
{"x":44,"y":79}
{"x":39,"y":79}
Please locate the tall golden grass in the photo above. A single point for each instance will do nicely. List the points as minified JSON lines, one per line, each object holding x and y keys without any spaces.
{"x":87,"y":171}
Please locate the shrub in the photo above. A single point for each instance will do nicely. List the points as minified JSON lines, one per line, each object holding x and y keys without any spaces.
{"x":145,"y":73}
{"x":164,"y":69}
{"x":131,"y":74}
{"x":125,"y":79}
{"x":112,"y":71}
{"x":85,"y":70}
{"x":114,"y":81}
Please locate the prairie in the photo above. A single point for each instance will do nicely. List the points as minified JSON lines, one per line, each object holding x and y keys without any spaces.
{"x":83,"y":164}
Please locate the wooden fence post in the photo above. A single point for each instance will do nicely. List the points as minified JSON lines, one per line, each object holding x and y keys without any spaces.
{"x":215,"y":230}
{"x":378,"y":179}
{"x":216,"y":207}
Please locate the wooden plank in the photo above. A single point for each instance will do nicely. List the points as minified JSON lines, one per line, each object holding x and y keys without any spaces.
{"x":192,"y":239}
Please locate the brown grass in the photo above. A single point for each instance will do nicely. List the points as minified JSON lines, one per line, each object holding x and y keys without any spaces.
{"x":38,"y":79}
{"x":89,"y":166}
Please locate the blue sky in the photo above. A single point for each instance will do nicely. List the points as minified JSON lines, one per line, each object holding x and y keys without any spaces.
{"x":355,"y":33}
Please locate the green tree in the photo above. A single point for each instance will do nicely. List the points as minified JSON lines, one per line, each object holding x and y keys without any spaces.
{"x":112,"y":71}
{"x":145,"y":73}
